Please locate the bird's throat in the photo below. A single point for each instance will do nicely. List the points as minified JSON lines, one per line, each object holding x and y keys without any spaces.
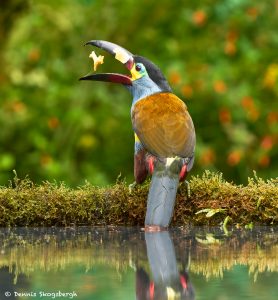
{"x":142,"y":88}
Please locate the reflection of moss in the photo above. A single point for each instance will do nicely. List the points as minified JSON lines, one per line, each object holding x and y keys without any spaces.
{"x":223,"y":257}
{"x":57,"y":249}
{"x":48,"y":204}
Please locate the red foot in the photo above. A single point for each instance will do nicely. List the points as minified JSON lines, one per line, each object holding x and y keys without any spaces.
{"x":151,"y":164}
{"x":183,"y":172}
{"x":183,"y":282}
{"x":151,"y":290}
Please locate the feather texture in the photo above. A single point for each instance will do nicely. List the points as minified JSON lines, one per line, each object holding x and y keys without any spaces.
{"x":164,"y":126}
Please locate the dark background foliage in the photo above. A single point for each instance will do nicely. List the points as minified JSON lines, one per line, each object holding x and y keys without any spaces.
{"x":219,"y":56}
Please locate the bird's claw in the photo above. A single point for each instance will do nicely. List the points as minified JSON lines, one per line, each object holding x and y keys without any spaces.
{"x":154,"y":228}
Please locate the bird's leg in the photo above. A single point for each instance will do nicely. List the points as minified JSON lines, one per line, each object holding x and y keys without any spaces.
{"x":184,"y":182}
{"x":183,"y":172}
{"x":151,"y":161}
{"x":141,"y":169}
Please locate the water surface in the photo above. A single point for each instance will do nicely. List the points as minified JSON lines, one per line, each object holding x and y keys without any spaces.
{"x":125,"y":263}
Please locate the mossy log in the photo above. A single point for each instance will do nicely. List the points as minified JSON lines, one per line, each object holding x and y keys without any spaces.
{"x":213,"y":201}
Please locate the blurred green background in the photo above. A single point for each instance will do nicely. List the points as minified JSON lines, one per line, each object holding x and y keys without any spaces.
{"x":220,"y":57}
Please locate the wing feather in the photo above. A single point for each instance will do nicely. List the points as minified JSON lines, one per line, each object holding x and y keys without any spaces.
{"x":164,"y":125}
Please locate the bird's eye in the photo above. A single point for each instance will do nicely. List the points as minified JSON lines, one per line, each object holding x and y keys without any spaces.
{"x":138,"y":67}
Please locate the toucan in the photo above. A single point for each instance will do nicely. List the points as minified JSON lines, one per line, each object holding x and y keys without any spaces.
{"x":163,"y":129}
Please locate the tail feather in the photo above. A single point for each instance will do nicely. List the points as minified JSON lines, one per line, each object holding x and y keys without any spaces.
{"x":162,"y":193}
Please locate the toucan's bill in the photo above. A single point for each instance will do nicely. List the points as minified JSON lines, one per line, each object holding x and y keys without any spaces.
{"x":121,"y":54}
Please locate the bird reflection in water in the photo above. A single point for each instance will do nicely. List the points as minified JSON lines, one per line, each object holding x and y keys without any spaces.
{"x":165,"y":280}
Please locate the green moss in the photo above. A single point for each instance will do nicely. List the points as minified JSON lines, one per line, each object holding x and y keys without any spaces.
{"x":213,"y":201}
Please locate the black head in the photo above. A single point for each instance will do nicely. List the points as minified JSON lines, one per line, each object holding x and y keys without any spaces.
{"x":154,"y":73}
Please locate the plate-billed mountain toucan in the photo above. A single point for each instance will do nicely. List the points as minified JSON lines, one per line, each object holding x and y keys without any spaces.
{"x":164,"y":131}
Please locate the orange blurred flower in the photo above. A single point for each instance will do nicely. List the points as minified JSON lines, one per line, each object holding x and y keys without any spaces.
{"x":219,"y":86}
{"x":264,"y":161}
{"x":252,"y":12}
{"x":34,"y":55}
{"x":225,"y":115}
{"x":247,"y":102}
{"x":272,"y":117}
{"x":207,"y":157}
{"x":53,"y":122}
{"x":187,"y":91}
{"x":175,"y":77}
{"x":232,"y":36}
{"x":199,"y":17}
{"x":234,"y":157}
{"x":16,"y":106}
{"x":45,"y":159}
{"x":267,"y":142}
{"x":230,"y":48}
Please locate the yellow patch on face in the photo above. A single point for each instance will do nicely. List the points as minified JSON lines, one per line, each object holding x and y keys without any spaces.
{"x":135,"y":74}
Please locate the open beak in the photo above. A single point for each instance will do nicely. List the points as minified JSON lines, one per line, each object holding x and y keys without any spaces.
{"x":121,"y":54}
